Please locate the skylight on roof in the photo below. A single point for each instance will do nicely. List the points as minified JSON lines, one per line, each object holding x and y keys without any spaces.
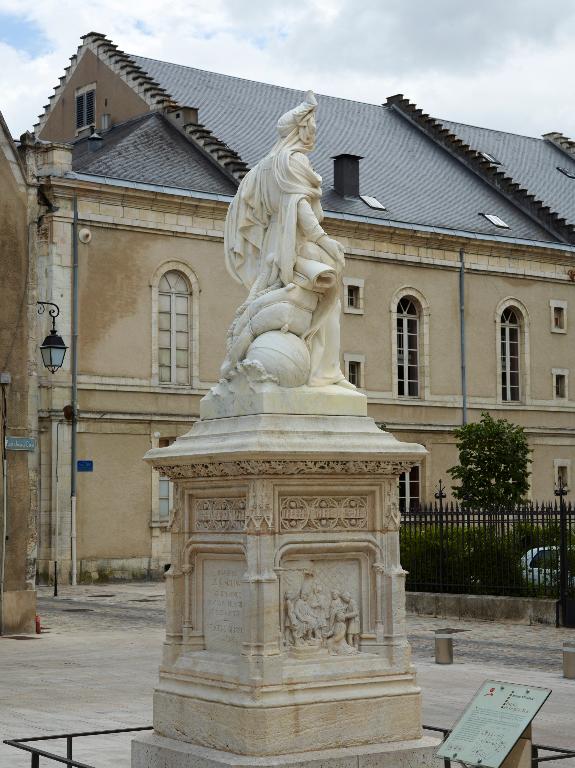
{"x":373,"y":202}
{"x":567,"y":171}
{"x":494,"y":219}
{"x":490,"y":158}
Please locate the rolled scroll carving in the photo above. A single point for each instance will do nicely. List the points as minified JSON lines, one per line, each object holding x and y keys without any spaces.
{"x":320,"y":513}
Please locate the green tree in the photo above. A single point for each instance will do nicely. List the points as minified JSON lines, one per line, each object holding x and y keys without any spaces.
{"x":493,"y":464}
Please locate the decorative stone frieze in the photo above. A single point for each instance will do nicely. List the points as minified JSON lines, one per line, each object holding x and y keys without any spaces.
{"x":283,"y":467}
{"x":321,"y":513}
{"x":219,"y":514}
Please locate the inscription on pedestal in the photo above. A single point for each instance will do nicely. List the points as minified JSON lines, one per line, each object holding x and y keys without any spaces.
{"x":224,"y":605}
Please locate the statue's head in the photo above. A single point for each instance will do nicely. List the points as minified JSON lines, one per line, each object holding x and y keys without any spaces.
{"x":346,"y":597}
{"x":300,"y":120}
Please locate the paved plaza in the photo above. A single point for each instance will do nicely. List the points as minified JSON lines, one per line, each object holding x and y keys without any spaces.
{"x":95,"y":665}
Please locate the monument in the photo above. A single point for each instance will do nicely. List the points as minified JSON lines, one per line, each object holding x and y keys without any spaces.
{"x":286,"y":639}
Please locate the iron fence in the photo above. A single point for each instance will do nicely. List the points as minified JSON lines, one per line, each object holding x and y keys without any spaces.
{"x":523,"y":551}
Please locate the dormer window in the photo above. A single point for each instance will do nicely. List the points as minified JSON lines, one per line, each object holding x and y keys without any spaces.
{"x":85,"y":107}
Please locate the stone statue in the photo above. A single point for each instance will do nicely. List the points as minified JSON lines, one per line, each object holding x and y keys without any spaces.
{"x":287,"y":329}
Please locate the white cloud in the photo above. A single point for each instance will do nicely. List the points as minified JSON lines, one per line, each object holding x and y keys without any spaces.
{"x":505,"y":64}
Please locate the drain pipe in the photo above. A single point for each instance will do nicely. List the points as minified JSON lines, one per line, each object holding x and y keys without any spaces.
{"x":462,"y":333}
{"x":74,"y":363}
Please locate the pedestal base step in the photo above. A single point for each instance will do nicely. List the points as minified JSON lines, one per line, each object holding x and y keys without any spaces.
{"x":153,"y":751}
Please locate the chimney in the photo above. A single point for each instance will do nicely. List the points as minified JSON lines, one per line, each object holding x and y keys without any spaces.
{"x":346,"y":175}
{"x":106,"y":121}
{"x":182,"y":116}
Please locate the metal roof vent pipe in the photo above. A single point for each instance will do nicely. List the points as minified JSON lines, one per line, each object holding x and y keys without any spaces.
{"x":106,"y":121}
{"x":94,"y":141}
{"x":346,"y":175}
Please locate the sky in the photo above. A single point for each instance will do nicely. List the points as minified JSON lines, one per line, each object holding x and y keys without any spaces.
{"x":504,"y":64}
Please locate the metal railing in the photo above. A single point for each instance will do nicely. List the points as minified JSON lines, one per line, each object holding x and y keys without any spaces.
{"x":559,"y":753}
{"x":515,"y":551}
{"x":36,"y":753}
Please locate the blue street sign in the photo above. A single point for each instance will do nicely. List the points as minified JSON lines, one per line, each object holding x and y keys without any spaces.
{"x":85,"y":465}
{"x":20,"y":443}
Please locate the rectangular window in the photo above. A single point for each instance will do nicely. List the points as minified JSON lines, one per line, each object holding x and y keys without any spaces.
{"x":353,"y":295}
{"x":562,"y":469}
{"x":560,"y":383}
{"x":409,"y":490}
{"x":354,"y":368}
{"x":354,"y":373}
{"x":558,"y":316}
{"x":407,"y":357}
{"x":164,"y":495}
{"x":166,"y":488}
{"x":85,"y":109}
{"x":509,"y":363}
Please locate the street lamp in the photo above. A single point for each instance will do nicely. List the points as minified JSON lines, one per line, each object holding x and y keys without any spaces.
{"x":53,"y":348}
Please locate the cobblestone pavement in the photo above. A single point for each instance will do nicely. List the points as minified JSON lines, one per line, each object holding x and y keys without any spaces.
{"x":95,"y":665}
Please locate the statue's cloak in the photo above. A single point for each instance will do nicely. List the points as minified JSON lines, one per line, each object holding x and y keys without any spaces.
{"x":255,"y":207}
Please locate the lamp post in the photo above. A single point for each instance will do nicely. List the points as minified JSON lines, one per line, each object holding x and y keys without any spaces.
{"x":53,"y":348}
{"x":53,"y":351}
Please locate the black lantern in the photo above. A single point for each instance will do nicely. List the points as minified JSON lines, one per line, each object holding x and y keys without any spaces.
{"x":53,"y":348}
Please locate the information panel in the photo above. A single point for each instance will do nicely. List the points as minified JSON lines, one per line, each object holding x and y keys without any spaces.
{"x":493,"y":723}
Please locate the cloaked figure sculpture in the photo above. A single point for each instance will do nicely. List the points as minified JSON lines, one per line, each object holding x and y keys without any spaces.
{"x":287,"y":329}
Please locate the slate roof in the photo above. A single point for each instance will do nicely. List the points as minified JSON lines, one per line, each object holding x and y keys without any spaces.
{"x":149,"y":150}
{"x":416,"y":180}
{"x":532,"y":161}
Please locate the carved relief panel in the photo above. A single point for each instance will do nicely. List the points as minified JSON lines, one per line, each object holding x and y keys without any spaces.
{"x":322,"y":601}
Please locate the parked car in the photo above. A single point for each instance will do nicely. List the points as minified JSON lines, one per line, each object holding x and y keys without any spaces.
{"x":540,"y":566}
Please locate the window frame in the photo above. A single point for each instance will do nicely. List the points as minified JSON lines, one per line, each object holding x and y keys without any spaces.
{"x":194,"y":380}
{"x":407,"y":481}
{"x":553,"y":305}
{"x":353,"y":282}
{"x":562,"y":464}
{"x":353,"y":357}
{"x":82,"y":93}
{"x":423,"y":341}
{"x":524,"y":352}
{"x":510,"y":336}
{"x":555,"y":373}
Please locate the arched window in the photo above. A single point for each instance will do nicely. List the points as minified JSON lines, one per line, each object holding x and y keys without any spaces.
{"x":407,"y":348}
{"x":174,"y":329}
{"x":510,"y":338}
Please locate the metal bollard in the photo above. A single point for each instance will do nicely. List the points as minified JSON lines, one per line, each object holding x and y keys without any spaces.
{"x":569,"y":660}
{"x":443,"y":648}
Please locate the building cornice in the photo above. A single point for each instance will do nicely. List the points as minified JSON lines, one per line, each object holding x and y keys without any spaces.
{"x":172,"y":199}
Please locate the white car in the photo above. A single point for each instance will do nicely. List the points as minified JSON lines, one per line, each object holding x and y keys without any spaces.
{"x":540,"y":566}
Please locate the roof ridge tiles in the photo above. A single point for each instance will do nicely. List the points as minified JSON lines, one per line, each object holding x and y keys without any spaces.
{"x":563,"y":143}
{"x":526,"y":201}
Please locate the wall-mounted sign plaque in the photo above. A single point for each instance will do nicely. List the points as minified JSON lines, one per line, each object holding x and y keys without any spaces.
{"x":493,"y":723}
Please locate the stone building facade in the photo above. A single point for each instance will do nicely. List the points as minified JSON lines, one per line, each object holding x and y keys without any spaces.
{"x":19,"y":215}
{"x":152,"y":187}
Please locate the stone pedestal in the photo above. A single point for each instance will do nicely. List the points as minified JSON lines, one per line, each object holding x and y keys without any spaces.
{"x":286,"y":630}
